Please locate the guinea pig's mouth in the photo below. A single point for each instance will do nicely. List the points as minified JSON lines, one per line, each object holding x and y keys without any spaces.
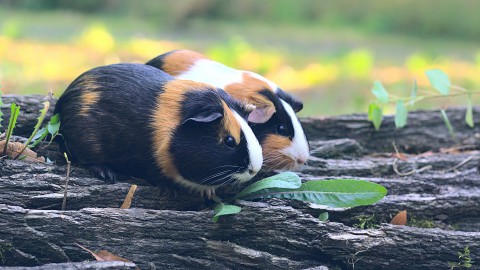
{"x":245,"y":176}
{"x":278,"y":160}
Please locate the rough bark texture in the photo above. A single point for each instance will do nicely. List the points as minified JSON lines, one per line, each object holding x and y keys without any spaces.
{"x":163,"y":230}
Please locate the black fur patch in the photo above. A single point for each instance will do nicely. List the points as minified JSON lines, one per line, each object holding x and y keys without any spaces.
{"x":198,"y":153}
{"x":296,"y":104}
{"x":158,"y":61}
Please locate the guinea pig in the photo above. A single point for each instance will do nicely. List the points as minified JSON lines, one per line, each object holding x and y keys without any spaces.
{"x":137,"y":120}
{"x":273,"y":121}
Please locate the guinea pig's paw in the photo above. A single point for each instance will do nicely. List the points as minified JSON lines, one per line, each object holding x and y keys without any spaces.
{"x":207,"y":193}
{"x":104,"y":173}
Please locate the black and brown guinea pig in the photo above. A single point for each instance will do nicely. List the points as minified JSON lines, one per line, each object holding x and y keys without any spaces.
{"x":137,"y":120}
{"x":273,"y":121}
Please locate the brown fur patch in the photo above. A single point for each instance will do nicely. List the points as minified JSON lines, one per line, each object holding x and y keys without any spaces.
{"x":274,"y":159}
{"x":165,"y":120}
{"x":167,"y":117}
{"x":248,"y":91}
{"x":89,"y":99}
{"x":180,"y":61}
{"x":230,"y":124}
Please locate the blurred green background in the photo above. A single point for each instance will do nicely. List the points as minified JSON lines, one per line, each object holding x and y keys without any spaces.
{"x":326,"y":52}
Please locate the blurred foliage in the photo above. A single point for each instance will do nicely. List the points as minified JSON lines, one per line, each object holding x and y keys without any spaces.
{"x":327,"y":52}
{"x":427,"y":17}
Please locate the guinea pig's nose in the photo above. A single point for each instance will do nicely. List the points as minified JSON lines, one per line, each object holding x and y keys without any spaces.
{"x":301,"y":161}
{"x":251,"y":171}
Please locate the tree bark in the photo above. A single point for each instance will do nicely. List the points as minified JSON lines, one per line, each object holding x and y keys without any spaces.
{"x":439,"y":189}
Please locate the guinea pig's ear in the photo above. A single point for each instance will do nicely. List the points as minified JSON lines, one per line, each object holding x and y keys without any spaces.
{"x":203,"y":117}
{"x":261,"y":115}
{"x":296,"y":104}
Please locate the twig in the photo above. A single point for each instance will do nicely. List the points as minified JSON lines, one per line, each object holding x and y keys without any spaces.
{"x":463,"y":162}
{"x":128,"y":199}
{"x":64,"y":203}
{"x":395,"y":169}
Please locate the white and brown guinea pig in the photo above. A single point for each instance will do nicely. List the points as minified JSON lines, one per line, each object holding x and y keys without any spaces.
{"x":137,"y":120}
{"x":273,"y":121}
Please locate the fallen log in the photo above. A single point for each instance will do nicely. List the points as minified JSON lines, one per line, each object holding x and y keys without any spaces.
{"x":440,"y":188}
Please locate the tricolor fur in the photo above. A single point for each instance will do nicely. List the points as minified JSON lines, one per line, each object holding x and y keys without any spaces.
{"x":137,"y":120}
{"x":273,"y":121}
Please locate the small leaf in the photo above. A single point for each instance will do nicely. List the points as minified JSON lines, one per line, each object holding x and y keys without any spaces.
{"x":379,"y":91}
{"x":413,"y":93}
{"x":53,"y":125}
{"x":439,"y":80}
{"x":469,"y":113}
{"x":341,"y":193}
{"x":375,"y":115}
{"x":43,"y":112}
{"x":323,"y":216}
{"x":225,"y":209}
{"x":447,"y":123}
{"x":400,"y":218}
{"x":401,"y":114}
{"x":104,"y":255}
{"x":41,"y":134}
{"x":14,"y":112}
{"x":286,"y":180}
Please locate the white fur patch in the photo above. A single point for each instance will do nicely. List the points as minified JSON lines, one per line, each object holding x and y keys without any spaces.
{"x":299,"y":147}
{"x":254,"y":151}
{"x":213,"y":73}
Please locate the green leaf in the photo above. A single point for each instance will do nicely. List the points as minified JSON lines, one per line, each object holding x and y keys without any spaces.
{"x":323,"y":216}
{"x":14,"y":112}
{"x":339,"y":193}
{"x":469,"y":113}
{"x":379,"y":91}
{"x":447,"y":123}
{"x":401,"y":114}
{"x":43,"y":112}
{"x":413,"y":93}
{"x":286,"y":180}
{"x":225,"y":209}
{"x":41,"y":134}
{"x":375,"y":115}
{"x":439,"y":80}
{"x":54,"y":125}
{"x":1,"y":104}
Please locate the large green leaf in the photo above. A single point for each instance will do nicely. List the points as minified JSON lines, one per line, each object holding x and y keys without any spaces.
{"x":439,"y":80}
{"x":401,"y":114}
{"x":379,"y":91}
{"x":469,"y":113}
{"x":225,"y":209}
{"x":286,"y":180}
{"x":339,"y":193}
{"x":375,"y":115}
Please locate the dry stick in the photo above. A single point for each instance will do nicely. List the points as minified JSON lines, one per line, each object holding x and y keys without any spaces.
{"x":64,"y":203}
{"x":395,"y":168}
{"x":463,"y":162}
{"x":128,"y":199}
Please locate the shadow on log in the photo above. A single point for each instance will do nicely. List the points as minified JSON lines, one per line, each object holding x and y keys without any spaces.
{"x":439,"y":189}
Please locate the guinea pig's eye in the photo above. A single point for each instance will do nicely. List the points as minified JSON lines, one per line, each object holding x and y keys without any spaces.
{"x":229,"y":141}
{"x":282,"y":130}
